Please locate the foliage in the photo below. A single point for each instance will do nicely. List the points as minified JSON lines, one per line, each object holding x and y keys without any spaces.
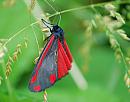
{"x":91,"y":31}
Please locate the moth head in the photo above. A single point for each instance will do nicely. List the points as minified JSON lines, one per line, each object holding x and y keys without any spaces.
{"x":57,"y":31}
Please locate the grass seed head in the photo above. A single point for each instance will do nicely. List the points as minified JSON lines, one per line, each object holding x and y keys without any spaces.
{"x":126,"y":76}
{"x":8,"y":3}
{"x":118,"y":55}
{"x":127,"y":60}
{"x":8,"y":67}
{"x":26,"y":42}
{"x":110,"y":7}
{"x":113,"y":41}
{"x":128,"y":82}
{"x":35,"y":61}
{"x":17,"y":52}
{"x":46,"y":30}
{"x":32,"y":5}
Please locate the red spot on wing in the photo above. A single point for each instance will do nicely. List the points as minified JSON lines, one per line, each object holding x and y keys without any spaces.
{"x":67,"y":51}
{"x":34,"y":78}
{"x":62,"y":68}
{"x":52,"y":78}
{"x":37,"y":88}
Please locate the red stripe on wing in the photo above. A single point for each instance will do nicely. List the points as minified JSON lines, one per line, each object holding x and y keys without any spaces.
{"x":34,"y":78}
{"x":62,"y":68}
{"x":66,"y":59}
{"x":67,"y":51}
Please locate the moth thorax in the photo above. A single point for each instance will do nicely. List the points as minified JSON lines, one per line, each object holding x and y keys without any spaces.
{"x":57,"y":31}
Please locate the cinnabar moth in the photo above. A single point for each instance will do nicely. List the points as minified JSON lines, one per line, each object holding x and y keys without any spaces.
{"x":53,"y":63}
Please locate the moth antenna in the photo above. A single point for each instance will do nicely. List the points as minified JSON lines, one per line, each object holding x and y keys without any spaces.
{"x":45,"y":23}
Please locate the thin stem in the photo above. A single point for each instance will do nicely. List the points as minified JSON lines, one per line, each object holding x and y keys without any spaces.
{"x":122,"y":55}
{"x":87,"y":6}
{"x":7,"y":82}
{"x":36,"y":39}
{"x":50,"y":5}
{"x":17,"y":33}
{"x":45,"y":96}
{"x":123,"y":58}
{"x":56,"y":11}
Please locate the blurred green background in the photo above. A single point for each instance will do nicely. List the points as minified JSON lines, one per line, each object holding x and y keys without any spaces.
{"x":91,"y":51}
